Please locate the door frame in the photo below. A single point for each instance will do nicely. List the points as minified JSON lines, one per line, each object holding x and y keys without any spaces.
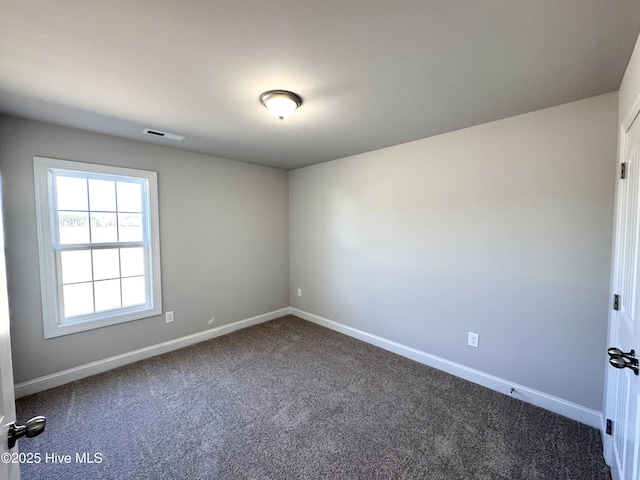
{"x":8,"y":470}
{"x":623,"y":128}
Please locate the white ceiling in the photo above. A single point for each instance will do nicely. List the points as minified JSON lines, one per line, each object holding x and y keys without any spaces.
{"x":371,"y":73}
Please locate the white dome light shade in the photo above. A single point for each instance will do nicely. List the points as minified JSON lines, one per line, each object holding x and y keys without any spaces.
{"x":280,"y":103}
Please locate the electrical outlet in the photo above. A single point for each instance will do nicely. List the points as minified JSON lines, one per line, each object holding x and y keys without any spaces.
{"x":168,"y":317}
{"x":300,"y":292}
{"x":473,"y":339}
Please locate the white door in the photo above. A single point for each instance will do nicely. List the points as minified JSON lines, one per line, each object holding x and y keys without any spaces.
{"x":8,"y":469}
{"x":622,"y":386}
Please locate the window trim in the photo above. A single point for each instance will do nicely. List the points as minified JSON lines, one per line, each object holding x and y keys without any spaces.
{"x":49,"y":270}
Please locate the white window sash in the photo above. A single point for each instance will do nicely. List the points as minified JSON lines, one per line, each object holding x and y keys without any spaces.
{"x":50,"y":249}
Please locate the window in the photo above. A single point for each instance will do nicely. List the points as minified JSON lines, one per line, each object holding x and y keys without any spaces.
{"x":99,"y":245}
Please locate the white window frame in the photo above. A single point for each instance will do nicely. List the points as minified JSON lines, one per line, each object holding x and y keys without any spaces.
{"x":50,"y":276}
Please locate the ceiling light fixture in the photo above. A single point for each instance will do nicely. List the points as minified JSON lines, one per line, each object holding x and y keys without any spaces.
{"x":280,"y":103}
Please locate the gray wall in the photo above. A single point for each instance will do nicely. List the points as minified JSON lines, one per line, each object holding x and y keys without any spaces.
{"x":223,"y":235}
{"x":503,"y":229}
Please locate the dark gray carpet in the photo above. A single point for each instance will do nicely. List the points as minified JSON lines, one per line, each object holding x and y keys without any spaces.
{"x":291,"y":400}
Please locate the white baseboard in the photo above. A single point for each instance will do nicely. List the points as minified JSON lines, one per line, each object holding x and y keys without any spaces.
{"x":60,"y":378}
{"x":563,"y":407}
{"x":585,"y":415}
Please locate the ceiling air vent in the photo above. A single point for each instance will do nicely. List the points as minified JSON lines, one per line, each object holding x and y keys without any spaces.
{"x":158,"y":133}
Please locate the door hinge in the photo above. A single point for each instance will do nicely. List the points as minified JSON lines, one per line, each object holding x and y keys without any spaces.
{"x":616,"y":302}
{"x":609,"y":430}
{"x":623,"y":170}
